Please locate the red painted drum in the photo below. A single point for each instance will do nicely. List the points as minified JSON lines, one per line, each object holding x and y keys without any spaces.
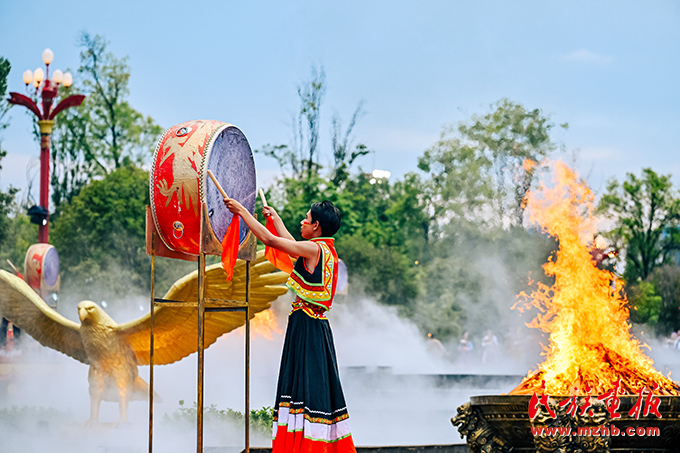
{"x":41,"y":267}
{"x":179,"y":181}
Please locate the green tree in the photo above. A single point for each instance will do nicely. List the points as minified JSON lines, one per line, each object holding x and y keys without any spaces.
{"x":646,"y":214}
{"x":426,"y":243}
{"x":5,"y":68}
{"x":479,"y":255}
{"x":7,"y":198}
{"x":645,"y":304}
{"x":666,"y":280}
{"x":311,"y":96}
{"x":342,"y":141}
{"x":374,"y":239}
{"x":300,"y":160}
{"x":485,"y":167}
{"x":100,"y":233}
{"x":100,"y":236}
{"x":105,"y":133}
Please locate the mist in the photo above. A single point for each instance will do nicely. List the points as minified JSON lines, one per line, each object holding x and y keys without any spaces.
{"x":388,"y":369}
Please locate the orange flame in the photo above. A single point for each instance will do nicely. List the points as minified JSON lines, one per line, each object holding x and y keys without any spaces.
{"x":584,"y":311}
{"x":528,"y":165}
{"x":265,"y":324}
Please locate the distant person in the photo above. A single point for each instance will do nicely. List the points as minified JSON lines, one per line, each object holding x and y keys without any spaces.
{"x":10,"y":336}
{"x":8,"y":330}
{"x":489,"y":346}
{"x":465,"y":348}
{"x":670,"y":341}
{"x":435,"y":348}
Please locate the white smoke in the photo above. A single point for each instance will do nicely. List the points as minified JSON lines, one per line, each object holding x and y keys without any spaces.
{"x":389,"y":373}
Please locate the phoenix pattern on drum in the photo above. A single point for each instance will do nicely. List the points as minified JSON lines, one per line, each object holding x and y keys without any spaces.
{"x":187,"y":148}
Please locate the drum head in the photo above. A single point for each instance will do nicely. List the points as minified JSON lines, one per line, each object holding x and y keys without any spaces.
{"x":51,"y":266}
{"x":231,"y":161}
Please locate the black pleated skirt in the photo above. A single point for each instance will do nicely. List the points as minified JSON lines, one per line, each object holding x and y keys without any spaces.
{"x":310,"y":411}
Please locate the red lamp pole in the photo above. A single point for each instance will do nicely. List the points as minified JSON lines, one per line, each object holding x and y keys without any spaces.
{"x":48,"y":91}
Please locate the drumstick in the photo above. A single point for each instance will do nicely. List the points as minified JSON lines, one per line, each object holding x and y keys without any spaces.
{"x":219,"y":187}
{"x":264,"y":200}
{"x":16,"y":271}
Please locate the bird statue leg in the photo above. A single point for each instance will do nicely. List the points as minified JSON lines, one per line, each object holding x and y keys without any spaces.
{"x":123,"y":406}
{"x":94,"y":411}
{"x":97,"y":385}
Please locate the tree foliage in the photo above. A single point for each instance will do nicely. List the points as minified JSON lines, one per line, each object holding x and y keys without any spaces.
{"x":105,"y":133}
{"x":445,"y":244}
{"x":100,"y":236}
{"x":421,"y":243}
{"x":646,"y":214}
{"x":104,"y":226}
{"x":483,"y":169}
{"x":645,"y":304}
{"x":5,"y":68}
{"x":666,"y":281}
{"x":7,"y":229}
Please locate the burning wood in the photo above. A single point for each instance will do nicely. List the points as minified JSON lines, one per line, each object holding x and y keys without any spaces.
{"x":584,"y":311}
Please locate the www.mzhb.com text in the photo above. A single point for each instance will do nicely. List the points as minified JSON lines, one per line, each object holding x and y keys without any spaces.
{"x":595,"y":431}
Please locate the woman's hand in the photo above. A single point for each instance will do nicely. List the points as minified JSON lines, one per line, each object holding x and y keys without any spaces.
{"x":268,"y":211}
{"x":234,"y":206}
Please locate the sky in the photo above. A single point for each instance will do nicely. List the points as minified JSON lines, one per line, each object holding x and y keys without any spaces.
{"x":609,"y":68}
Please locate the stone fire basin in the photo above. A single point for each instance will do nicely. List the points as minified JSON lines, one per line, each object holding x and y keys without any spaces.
{"x":500,"y":423}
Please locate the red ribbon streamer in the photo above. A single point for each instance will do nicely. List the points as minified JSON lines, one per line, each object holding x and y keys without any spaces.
{"x":230,"y":245}
{"x":279,"y":259}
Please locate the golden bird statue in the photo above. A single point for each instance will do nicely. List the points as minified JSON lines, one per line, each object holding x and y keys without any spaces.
{"x":113,"y":351}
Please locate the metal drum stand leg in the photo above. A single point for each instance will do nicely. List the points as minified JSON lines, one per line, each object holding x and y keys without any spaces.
{"x":247,"y":252}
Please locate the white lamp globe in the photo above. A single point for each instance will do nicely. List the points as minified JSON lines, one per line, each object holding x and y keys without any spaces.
{"x":68,"y":79}
{"x":58,"y":76}
{"x":47,"y":56}
{"x":38,"y":75}
{"x":28,"y":76}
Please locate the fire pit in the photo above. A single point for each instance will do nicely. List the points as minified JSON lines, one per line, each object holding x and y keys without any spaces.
{"x":501,"y":423}
{"x":613,"y":400}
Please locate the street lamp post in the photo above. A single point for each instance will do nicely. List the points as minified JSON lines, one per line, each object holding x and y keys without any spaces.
{"x":48,"y":91}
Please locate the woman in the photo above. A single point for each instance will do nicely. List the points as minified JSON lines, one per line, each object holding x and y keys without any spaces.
{"x":310,"y":411}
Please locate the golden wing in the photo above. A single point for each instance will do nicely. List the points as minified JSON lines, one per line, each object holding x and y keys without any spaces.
{"x":20,"y":304}
{"x":175,"y":328}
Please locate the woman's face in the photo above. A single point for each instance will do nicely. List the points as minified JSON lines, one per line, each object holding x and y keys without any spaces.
{"x":306,"y":227}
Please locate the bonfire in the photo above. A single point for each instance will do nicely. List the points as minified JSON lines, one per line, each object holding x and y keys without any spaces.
{"x":585,"y":311}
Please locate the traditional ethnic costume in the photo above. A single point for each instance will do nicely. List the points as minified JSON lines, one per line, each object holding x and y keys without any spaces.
{"x":310,"y":412}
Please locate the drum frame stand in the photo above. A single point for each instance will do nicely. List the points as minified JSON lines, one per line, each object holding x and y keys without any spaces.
{"x":209,"y":245}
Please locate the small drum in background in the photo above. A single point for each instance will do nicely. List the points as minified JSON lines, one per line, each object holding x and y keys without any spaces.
{"x":179,"y":181}
{"x":41,"y":269}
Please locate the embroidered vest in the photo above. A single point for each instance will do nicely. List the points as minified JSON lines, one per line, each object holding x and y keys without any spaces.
{"x":317,"y":286}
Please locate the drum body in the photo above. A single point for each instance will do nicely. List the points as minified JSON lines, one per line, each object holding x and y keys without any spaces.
{"x":41,"y":268}
{"x":179,"y":181}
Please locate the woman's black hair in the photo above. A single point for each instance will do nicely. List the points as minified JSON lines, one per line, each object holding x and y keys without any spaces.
{"x":328,"y":217}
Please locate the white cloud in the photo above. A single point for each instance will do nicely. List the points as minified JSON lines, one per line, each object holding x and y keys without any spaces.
{"x":586,"y":56}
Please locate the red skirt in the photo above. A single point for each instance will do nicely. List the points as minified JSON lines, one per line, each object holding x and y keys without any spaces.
{"x":310,"y":412}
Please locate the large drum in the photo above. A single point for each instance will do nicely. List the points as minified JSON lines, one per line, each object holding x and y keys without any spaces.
{"x":41,"y":270}
{"x":179,"y":182}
